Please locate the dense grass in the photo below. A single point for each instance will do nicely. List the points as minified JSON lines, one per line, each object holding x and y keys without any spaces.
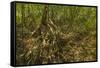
{"x":54,"y":34}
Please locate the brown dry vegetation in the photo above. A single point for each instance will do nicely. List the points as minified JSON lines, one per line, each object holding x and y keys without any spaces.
{"x":54,"y":34}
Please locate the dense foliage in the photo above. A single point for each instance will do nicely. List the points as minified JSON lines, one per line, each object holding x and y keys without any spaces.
{"x":54,"y":34}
